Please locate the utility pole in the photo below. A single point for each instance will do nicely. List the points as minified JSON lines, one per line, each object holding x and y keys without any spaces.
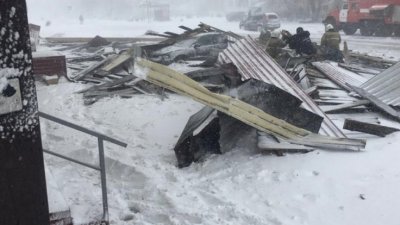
{"x":23,"y":195}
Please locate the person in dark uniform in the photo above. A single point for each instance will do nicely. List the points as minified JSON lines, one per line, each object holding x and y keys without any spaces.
{"x":301,"y":42}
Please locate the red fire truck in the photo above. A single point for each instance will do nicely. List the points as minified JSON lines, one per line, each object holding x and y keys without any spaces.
{"x":372,"y":17}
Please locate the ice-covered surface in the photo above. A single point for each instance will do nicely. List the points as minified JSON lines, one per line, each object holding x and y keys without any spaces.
{"x":240,"y":187}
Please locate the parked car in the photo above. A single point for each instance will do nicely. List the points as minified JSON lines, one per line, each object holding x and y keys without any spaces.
{"x":235,"y":16}
{"x":197,"y":46}
{"x":269,"y":21}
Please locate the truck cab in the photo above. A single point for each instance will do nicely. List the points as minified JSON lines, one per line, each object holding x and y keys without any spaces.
{"x":379,"y":17}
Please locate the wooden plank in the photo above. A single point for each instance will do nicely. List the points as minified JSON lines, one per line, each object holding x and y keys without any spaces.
{"x":345,"y":106}
{"x":80,"y":75}
{"x":314,"y":73}
{"x":331,"y":101}
{"x":75,"y":67}
{"x":186,"y":28}
{"x":358,"y":69}
{"x":337,"y":99}
{"x":372,"y":58}
{"x":339,"y":94}
{"x":270,"y":143}
{"x":140,"y":90}
{"x":323,"y":83}
{"x":378,"y":103}
{"x":129,"y":91}
{"x":172,"y":34}
{"x":284,"y":147}
{"x":205,"y":73}
{"x":229,"y":33}
{"x":118,"y":61}
{"x":111,"y":84}
{"x":368,"y":128}
{"x":93,"y":80}
{"x":312,"y":90}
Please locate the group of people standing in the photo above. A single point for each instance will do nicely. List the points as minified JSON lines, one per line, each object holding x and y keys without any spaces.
{"x":301,"y":42}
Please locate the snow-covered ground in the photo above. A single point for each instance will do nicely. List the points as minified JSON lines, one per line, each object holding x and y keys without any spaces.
{"x":240,"y":187}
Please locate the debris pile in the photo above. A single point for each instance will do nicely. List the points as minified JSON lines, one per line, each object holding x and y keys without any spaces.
{"x":283,"y":104}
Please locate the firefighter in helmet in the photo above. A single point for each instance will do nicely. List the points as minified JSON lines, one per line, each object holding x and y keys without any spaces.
{"x":275,"y":44}
{"x":330,"y":42}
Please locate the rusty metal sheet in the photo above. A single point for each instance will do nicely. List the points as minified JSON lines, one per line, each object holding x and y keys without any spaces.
{"x":340,"y":76}
{"x":253,"y":62}
{"x":385,"y":86}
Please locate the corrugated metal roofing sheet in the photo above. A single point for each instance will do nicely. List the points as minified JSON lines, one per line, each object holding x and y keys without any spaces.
{"x":253,"y":62}
{"x":385,"y":86}
{"x":339,"y":75}
{"x":255,"y":117}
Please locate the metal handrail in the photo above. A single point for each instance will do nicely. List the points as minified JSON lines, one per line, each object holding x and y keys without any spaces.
{"x":101,"y":168}
{"x":82,"y":129}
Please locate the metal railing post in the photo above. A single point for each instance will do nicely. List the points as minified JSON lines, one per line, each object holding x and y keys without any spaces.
{"x":102,"y":168}
{"x":103,"y":179}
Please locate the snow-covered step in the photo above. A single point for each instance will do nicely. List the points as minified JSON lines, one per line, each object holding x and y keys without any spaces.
{"x":60,"y":213}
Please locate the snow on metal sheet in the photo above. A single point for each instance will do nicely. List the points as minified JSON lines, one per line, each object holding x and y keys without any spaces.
{"x":339,"y":75}
{"x":378,"y":7}
{"x":385,"y":86}
{"x":253,"y":62}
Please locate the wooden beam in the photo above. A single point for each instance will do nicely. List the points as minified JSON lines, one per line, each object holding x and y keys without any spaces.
{"x":186,"y":28}
{"x":368,"y":128}
{"x":111,"y":84}
{"x":118,"y":60}
{"x":310,"y":91}
{"x":345,"y":106}
{"x":372,"y":58}
{"x":158,"y":35}
{"x":172,"y":34}
{"x":80,"y":75}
